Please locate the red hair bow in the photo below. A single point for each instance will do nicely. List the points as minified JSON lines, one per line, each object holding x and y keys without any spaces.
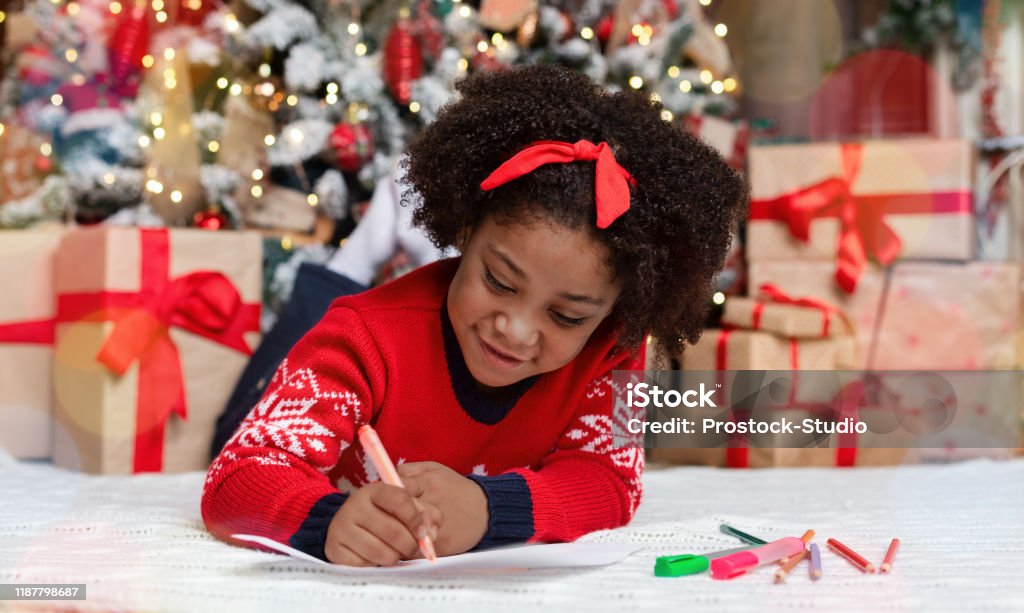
{"x":611,"y":184}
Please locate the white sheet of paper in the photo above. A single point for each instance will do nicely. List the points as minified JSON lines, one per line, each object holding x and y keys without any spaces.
{"x":556,"y":555}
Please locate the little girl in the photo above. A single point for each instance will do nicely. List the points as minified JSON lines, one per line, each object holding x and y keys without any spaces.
{"x":585,"y":223}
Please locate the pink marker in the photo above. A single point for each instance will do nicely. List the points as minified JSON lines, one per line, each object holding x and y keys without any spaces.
{"x":734,"y":565}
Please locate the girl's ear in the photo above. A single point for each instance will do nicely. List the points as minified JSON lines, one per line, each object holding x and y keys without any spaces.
{"x":462,"y":238}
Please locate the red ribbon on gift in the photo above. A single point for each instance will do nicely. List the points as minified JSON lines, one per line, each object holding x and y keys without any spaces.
{"x":35,"y":332}
{"x":773,"y":294}
{"x":738,"y":455}
{"x":204,"y":303}
{"x":863,"y":229}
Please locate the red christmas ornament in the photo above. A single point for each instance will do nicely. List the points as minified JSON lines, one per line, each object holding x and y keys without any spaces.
{"x":603,"y":28}
{"x":671,"y":9}
{"x":430,"y":32}
{"x":352,"y":144}
{"x":403,"y":59}
{"x":129,"y":44}
{"x":210,"y":219}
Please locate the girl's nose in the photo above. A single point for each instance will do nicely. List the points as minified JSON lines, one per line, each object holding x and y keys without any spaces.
{"x":519,"y":330}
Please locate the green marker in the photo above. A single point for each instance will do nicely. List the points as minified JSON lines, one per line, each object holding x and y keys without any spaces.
{"x":743,"y":536}
{"x":690,"y":564}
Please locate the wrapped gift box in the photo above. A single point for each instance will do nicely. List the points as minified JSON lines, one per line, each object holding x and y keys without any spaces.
{"x":936,"y":315}
{"x":899,"y":198}
{"x":793,"y":318}
{"x":752,"y":350}
{"x":153,"y":329}
{"x":26,"y":341}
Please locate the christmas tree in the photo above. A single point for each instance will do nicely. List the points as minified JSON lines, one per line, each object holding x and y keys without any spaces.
{"x":184,"y":108}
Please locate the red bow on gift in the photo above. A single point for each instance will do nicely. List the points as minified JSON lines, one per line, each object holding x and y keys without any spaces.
{"x":772,"y":293}
{"x":863,"y":228}
{"x":204,"y":303}
{"x":611,"y":184}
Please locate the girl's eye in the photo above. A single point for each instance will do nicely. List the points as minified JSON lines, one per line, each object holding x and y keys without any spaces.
{"x":567,"y":321}
{"x":498,"y":286}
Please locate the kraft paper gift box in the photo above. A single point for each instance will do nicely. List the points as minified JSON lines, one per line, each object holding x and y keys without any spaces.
{"x":786,"y":316}
{"x":855,"y":202}
{"x":936,"y":315}
{"x":153,"y":329}
{"x":26,"y":341}
{"x":753,"y":350}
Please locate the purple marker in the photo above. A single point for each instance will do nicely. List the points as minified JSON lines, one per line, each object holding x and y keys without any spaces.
{"x":815,"y":562}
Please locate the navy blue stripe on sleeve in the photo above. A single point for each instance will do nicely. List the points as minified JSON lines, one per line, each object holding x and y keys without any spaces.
{"x":312,"y":534}
{"x":510,"y":507}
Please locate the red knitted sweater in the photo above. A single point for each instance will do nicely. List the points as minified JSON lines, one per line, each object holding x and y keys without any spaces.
{"x":389,"y":357}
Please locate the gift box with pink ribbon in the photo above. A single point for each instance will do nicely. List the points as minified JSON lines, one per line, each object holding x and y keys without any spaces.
{"x":858,"y":202}
{"x":153,"y":328}
{"x":26,"y":341}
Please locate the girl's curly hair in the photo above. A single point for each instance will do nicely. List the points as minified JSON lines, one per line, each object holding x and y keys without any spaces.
{"x":664,"y":251}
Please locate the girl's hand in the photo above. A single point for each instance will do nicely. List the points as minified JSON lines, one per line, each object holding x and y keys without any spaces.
{"x":381,"y":524}
{"x":461,"y":501}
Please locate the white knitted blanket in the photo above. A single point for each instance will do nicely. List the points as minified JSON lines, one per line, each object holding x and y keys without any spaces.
{"x":138,"y":543}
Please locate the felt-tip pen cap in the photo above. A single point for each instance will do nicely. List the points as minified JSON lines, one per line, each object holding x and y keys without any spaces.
{"x":744,"y":561}
{"x":679,"y":566}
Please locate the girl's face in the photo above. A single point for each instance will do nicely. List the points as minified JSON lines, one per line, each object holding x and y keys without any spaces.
{"x":526,"y":298}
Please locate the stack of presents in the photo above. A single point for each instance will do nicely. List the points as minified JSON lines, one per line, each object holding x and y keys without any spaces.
{"x":119,"y":346}
{"x":862,"y":257}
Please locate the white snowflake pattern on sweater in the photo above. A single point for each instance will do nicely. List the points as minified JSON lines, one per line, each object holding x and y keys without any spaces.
{"x":283,"y":420}
{"x":607,"y":435}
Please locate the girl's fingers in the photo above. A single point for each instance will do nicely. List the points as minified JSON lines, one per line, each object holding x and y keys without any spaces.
{"x":411,"y":469}
{"x":391,"y":531}
{"x":339,"y":553}
{"x":371,"y":547}
{"x":401,"y":505}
